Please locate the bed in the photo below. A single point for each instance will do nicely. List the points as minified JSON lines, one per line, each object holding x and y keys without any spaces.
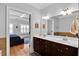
{"x":15,"y":40}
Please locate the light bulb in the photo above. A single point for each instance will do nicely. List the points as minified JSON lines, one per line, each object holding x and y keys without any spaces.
{"x":69,"y":12}
{"x":63,"y":13}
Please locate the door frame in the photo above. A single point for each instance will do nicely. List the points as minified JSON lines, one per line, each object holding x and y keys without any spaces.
{"x":7,"y":8}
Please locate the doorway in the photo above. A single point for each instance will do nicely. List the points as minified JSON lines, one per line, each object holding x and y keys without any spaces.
{"x":18,"y":32}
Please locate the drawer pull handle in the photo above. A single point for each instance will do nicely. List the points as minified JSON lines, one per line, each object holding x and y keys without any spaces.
{"x":59,"y":50}
{"x":66,"y":48}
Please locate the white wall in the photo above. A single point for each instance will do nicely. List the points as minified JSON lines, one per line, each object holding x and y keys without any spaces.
{"x":2,"y":20}
{"x":43,"y":30}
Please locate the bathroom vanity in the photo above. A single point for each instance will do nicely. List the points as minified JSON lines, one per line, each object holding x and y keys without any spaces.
{"x":55,"y":46}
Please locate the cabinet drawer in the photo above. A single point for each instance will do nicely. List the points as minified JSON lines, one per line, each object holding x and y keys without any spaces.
{"x":70,"y":51}
{"x":67,"y":50}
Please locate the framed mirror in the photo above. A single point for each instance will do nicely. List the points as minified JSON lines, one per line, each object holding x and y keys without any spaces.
{"x":44,"y":26}
{"x":36,"y":25}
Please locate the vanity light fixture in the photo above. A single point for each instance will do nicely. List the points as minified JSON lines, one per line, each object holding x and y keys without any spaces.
{"x":45,"y":17}
{"x":66,"y":11}
{"x":63,"y":13}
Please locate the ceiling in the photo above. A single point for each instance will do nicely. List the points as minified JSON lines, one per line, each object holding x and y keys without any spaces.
{"x":40,"y":5}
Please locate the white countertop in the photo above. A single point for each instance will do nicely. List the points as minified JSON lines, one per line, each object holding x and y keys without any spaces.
{"x":71,"y":41}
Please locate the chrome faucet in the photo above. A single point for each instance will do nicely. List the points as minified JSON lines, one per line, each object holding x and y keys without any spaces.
{"x":65,"y":38}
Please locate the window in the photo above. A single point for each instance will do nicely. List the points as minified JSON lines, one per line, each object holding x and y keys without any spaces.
{"x":27,"y":28}
{"x":11,"y":28}
{"x":24,"y":28}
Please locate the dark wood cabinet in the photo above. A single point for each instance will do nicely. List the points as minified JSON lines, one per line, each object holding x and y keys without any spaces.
{"x":39,"y":46}
{"x":49,"y":48}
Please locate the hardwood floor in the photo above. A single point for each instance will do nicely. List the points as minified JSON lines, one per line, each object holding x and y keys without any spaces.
{"x":19,"y":50}
{"x":3,"y":46}
{"x":35,"y":54}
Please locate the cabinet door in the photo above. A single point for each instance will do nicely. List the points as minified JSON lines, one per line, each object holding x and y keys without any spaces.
{"x":36,"y":45}
{"x":69,"y":51}
{"x":59,"y":50}
{"x":64,"y":50}
{"x":51,"y":49}
{"x":42,"y":46}
{"x":39,"y":46}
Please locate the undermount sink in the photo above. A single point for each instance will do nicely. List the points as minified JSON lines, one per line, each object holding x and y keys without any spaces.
{"x":65,"y":39}
{"x":71,"y":40}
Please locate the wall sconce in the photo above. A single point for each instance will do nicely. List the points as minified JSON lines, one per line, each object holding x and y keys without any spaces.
{"x":66,"y":11}
{"x":36,"y":25}
{"x":16,"y":27}
{"x":43,"y":26}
